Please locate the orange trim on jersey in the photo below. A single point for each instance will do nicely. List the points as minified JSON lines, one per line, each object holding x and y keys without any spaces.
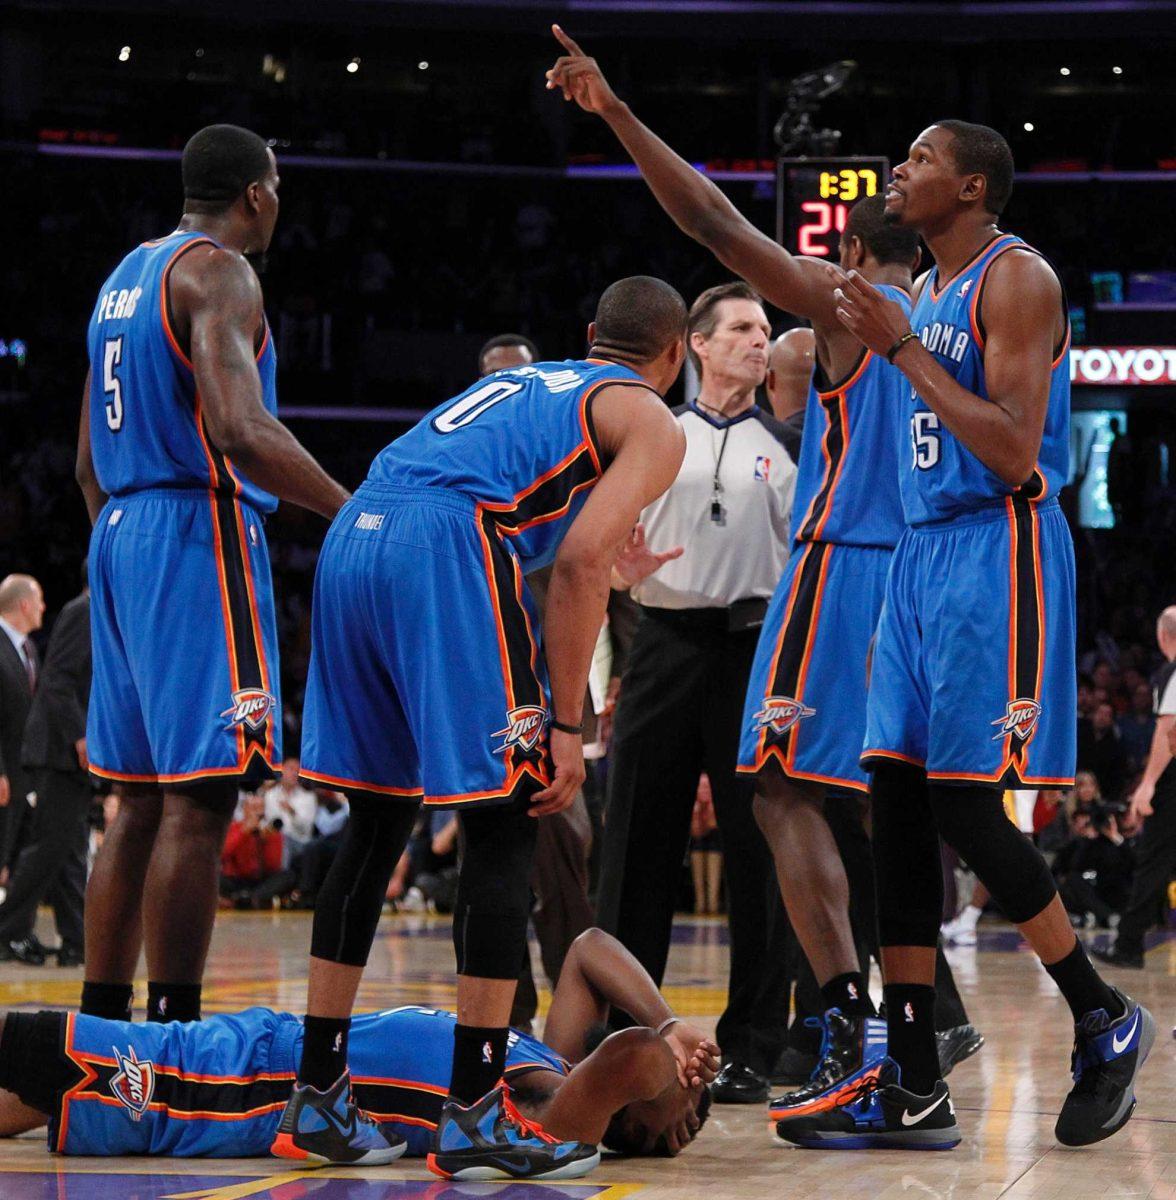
{"x":841,"y":397}
{"x":169,"y":333}
{"x":1027,"y":780}
{"x":808,"y":516}
{"x":89,"y":1076}
{"x":763,"y":735}
{"x":183,"y":1114}
{"x":811,"y":776}
{"x":510,"y":530}
{"x":362,"y":785}
{"x":470,"y":797}
{"x":586,"y":431}
{"x":400,"y":1119}
{"x":187,"y":777}
{"x":1014,"y":603}
{"x":551,"y":473}
{"x":807,"y":655}
{"x":499,"y":629}
{"x":518,"y":578}
{"x":906,"y":758}
{"x":254,"y":617}
{"x":844,"y":387}
{"x":936,"y":292}
{"x":1061,"y":354}
{"x":411,"y":1085}
{"x":978,"y":289}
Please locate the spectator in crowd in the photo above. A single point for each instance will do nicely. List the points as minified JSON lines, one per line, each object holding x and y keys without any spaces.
{"x":312,"y":865}
{"x":426,"y":876}
{"x":1094,"y":868}
{"x":706,"y":851}
{"x":1154,"y":800}
{"x":53,"y":861}
{"x":22,"y":609}
{"x":252,"y":853}
{"x":1101,"y":752}
{"x":1136,"y":727}
{"x":291,"y":808}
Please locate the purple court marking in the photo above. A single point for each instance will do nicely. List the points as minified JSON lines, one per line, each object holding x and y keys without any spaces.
{"x":63,"y":1186}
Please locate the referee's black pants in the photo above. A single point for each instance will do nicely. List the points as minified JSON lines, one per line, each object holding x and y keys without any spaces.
{"x":679,"y":714}
{"x":1155,"y":867}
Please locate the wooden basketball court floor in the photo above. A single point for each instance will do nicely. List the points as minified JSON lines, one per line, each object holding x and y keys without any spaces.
{"x":1007,"y":1096}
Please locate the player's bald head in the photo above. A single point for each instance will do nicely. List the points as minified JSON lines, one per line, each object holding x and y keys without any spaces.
{"x":638,"y":318}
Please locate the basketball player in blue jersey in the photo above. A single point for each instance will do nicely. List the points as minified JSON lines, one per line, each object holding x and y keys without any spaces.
{"x":427,"y":682}
{"x":974,"y":680}
{"x":181,"y":458}
{"x":805,"y":716}
{"x":216,"y":1088}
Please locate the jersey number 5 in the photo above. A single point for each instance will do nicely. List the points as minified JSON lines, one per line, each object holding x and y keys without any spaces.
{"x":111,"y":358}
{"x":470,"y":408}
{"x":925,"y":440}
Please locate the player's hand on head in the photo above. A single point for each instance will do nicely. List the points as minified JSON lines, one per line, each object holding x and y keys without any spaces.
{"x":695,"y":1054}
{"x":579,"y":77}
{"x":567,"y":757}
{"x":875,"y":320}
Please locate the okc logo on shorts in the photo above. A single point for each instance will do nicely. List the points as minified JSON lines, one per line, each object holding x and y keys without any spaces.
{"x":1020,"y":720}
{"x":780,"y":713}
{"x":133,"y":1084}
{"x":250,"y":707}
{"x":524,"y":728}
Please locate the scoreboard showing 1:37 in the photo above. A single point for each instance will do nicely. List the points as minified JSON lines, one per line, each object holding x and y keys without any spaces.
{"x":814,"y":196}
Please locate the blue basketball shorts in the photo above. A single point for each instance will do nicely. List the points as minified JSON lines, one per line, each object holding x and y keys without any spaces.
{"x":806,"y":699}
{"x":974,"y":674}
{"x":186,"y":678}
{"x":426,"y":675}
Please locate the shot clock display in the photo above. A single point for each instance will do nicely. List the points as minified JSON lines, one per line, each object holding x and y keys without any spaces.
{"x":814,"y":196}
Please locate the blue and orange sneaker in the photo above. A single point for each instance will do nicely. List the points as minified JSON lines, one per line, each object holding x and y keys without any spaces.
{"x":879,"y":1114}
{"x":1106,"y":1060}
{"x":328,"y":1127}
{"x":493,"y":1140}
{"x":852,"y":1050}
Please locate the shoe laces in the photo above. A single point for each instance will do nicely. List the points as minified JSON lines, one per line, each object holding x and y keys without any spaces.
{"x":524,"y":1125}
{"x":864,"y":1092}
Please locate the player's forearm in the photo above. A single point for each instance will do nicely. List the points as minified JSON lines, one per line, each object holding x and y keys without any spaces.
{"x":694,"y":203}
{"x":272,"y":457}
{"x":988,"y":430}
{"x":576,"y":601}
{"x":617,"y":978}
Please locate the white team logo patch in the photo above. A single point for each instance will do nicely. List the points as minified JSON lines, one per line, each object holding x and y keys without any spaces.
{"x":250,"y":707}
{"x":524,"y":728}
{"x":780,"y":713}
{"x":1020,"y":720}
{"x":134,"y":1083}
{"x":763,"y":467}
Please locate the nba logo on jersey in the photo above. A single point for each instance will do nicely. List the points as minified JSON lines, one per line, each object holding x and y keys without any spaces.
{"x":524,"y":728}
{"x":250,"y":707}
{"x":134,"y":1083}
{"x":965,"y":288}
{"x":763,"y":467}
{"x":1020,"y":720}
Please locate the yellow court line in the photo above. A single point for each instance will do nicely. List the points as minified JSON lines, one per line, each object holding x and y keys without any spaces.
{"x":617,"y":1190}
{"x":235,"y":1191}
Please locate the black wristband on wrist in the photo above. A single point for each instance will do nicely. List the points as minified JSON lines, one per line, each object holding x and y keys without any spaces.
{"x":565,"y":728}
{"x":909,"y":336}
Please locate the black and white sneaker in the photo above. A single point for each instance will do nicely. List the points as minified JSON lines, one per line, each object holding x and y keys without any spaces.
{"x":956,"y":1044}
{"x":881,"y":1115}
{"x":1106,"y":1060}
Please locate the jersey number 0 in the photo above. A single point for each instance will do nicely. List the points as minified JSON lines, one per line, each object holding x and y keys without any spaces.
{"x":470,"y":408}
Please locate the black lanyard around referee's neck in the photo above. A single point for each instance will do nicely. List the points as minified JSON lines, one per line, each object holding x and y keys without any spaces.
{"x":718,"y":514}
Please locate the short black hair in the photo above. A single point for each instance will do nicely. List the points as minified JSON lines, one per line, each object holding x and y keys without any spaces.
{"x":219,"y":163}
{"x":888,"y":243}
{"x":638,"y":317}
{"x":979,"y":150}
{"x":704,"y":314}
{"x":508,"y":339}
{"x":619,"y":1140}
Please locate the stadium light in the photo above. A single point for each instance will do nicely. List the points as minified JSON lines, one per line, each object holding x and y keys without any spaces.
{"x":353,"y":66}
{"x":124,"y":54}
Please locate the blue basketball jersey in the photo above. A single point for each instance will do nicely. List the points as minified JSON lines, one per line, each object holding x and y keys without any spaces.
{"x":943,"y":478}
{"x":146,"y":427}
{"x":847,"y":479}
{"x":520,"y":443}
{"x":216,"y":1088}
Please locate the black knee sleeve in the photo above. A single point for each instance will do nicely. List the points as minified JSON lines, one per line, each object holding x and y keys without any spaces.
{"x":494,"y":891}
{"x":906,"y":857}
{"x":972,"y":820}
{"x":352,"y":897}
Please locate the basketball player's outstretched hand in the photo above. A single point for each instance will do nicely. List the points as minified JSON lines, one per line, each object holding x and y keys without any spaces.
{"x":697,"y":1055}
{"x":636,"y":561}
{"x":580,"y":77}
{"x":567,"y":756}
{"x":873,"y":319}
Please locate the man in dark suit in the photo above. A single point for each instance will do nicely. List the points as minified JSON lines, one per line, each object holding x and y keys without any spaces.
{"x":53,"y":860}
{"x":22,"y":608}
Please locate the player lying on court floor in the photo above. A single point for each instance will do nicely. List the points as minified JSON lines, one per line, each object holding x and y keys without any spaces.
{"x":216,"y":1088}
